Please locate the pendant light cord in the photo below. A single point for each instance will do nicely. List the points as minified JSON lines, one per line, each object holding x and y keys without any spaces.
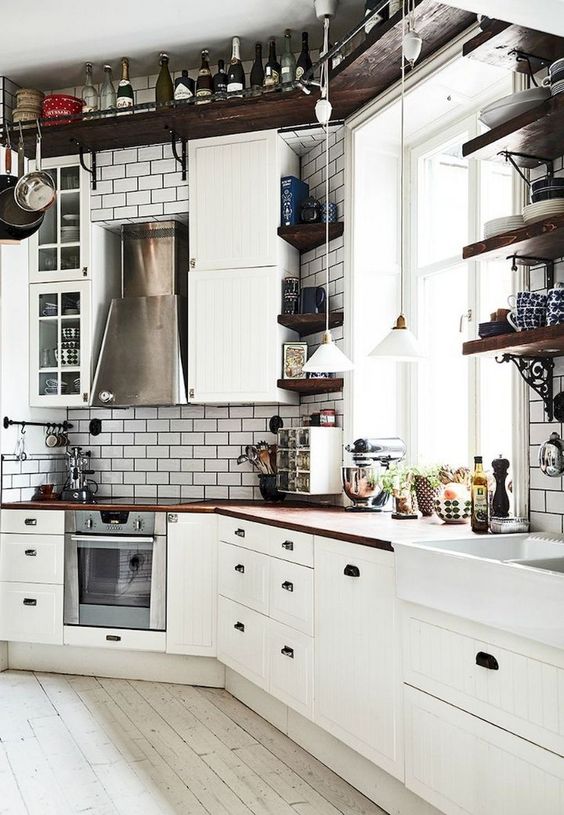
{"x":402,"y":170}
{"x":326,"y":94}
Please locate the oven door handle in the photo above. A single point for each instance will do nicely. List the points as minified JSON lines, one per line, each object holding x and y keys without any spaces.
{"x":93,"y":539}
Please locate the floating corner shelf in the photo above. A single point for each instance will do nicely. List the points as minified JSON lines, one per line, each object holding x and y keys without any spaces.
{"x":309,"y":387}
{"x":309,"y":236}
{"x":306,"y":324}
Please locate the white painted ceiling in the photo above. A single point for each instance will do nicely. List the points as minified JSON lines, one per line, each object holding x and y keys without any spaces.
{"x":45,"y":43}
{"x":545,"y":15}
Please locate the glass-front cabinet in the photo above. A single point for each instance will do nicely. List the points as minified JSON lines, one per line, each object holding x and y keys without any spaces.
{"x":60,"y":249}
{"x":60,"y":343}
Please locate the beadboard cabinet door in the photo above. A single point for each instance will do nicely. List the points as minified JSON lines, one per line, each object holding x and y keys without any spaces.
{"x":235,"y":199}
{"x":192,"y":584}
{"x":235,"y":342}
{"x":357,"y":678}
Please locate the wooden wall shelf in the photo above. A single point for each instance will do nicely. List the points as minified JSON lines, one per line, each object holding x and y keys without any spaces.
{"x":540,"y":342}
{"x":309,"y":236}
{"x":543,"y":239}
{"x":306,"y":324}
{"x":537,"y":132}
{"x":498,"y":42}
{"x":309,"y":387}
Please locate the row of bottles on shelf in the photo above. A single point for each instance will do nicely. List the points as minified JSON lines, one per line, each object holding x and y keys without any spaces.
{"x":228,"y":82}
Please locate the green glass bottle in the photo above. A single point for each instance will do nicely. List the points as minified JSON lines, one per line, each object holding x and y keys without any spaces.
{"x":164,"y":89}
{"x":125,"y":98}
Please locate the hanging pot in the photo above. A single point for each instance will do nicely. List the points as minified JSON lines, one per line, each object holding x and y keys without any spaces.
{"x":7,"y":179}
{"x":551,"y":456}
{"x":16,"y":223}
{"x":35,"y":192}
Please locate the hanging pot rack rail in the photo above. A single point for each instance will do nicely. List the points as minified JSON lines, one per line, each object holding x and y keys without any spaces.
{"x":64,"y":426}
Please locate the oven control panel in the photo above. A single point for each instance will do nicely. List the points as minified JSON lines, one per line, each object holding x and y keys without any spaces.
{"x":114,"y":522}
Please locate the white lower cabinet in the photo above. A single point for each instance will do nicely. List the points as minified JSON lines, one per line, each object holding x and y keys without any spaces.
{"x":31,"y":612}
{"x":117,"y":639}
{"x":192,"y":584}
{"x":357,"y":677}
{"x":465,"y":766}
{"x":242,"y":641}
{"x":290,"y":667}
{"x":31,"y":559}
{"x":243,"y":576}
{"x":291,"y":595}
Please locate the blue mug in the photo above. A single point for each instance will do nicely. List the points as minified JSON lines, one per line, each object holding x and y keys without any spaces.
{"x":528,"y":310}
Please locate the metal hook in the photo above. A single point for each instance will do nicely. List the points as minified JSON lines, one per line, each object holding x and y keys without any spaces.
{"x":38,"y":126}
{"x":8,"y":142}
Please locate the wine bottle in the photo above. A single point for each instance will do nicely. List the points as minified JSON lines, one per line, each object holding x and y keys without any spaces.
{"x":124,"y":98}
{"x":220,"y":81}
{"x":378,"y":18}
{"x":89,"y":92}
{"x":257,"y":71}
{"x":235,"y":72}
{"x":184,"y":86}
{"x":304,"y":60}
{"x":204,"y":85}
{"x":480,"y":499}
{"x":272,"y":68}
{"x":287,"y":63}
{"x":107,"y":91}
{"x":164,"y":89}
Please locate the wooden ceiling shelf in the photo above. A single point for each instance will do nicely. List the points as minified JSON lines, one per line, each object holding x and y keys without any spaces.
{"x":499,"y":43}
{"x":311,"y":387}
{"x":309,"y":236}
{"x":306,"y":324}
{"x":537,"y":132}
{"x":539,"y":342}
{"x":543,"y":240}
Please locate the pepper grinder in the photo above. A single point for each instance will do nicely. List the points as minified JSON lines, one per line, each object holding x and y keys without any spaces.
{"x":500,"y":500}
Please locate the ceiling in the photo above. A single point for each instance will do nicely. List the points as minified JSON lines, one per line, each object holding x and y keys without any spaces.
{"x":45,"y":43}
{"x":544,"y":15}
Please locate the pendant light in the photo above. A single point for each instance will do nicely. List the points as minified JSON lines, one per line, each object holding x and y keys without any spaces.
{"x":401,"y":344}
{"x":328,"y":358}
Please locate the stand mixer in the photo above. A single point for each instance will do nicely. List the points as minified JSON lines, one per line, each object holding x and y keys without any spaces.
{"x":77,"y":487}
{"x":361,"y":482}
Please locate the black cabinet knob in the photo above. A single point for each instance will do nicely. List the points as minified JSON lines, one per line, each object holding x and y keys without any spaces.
{"x":287,"y":586}
{"x":30,"y":522}
{"x":240,"y":568}
{"x":240,"y":533}
{"x":30,"y":552}
{"x":351,"y":571}
{"x":287,"y":652}
{"x":289,"y":545}
{"x":29,"y":601}
{"x":487,"y":661}
{"x":239,"y":626}
{"x":113,"y":638}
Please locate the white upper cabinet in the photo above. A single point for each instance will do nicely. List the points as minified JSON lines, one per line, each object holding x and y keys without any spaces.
{"x":234,"y":340}
{"x":235,"y":201}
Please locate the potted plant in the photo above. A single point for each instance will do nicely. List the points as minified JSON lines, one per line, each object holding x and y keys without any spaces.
{"x":427,"y":485}
{"x":399,"y":483}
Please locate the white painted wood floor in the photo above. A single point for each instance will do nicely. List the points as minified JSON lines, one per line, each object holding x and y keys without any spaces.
{"x":74,"y":744}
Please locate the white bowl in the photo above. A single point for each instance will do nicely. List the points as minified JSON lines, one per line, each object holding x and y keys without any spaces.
{"x":502,"y":110}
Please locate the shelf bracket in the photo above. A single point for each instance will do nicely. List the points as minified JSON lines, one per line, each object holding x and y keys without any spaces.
{"x":528,"y":260}
{"x":92,"y":168}
{"x":181,"y":159}
{"x":537,"y":373}
{"x":524,"y":56}
{"x":511,"y":155}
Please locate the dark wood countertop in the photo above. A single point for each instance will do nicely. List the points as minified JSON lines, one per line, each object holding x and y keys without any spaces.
{"x":378,"y":530}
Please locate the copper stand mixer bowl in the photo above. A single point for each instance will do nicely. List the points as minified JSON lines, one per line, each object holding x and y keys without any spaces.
{"x":362,"y":484}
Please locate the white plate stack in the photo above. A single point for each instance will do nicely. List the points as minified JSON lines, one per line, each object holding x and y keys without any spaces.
{"x":543,"y":209}
{"x":497,"y":226}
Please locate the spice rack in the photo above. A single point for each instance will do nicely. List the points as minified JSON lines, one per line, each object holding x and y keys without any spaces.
{"x":308,"y":460}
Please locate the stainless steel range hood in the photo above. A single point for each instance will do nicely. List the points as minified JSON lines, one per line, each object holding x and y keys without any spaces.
{"x":143,"y":354}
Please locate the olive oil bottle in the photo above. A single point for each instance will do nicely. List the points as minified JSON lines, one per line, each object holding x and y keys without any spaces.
{"x":480,"y":498}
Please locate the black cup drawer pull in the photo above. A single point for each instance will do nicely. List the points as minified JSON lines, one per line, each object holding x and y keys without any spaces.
{"x":29,"y":601}
{"x":287,"y":586}
{"x":287,"y":652}
{"x":351,"y":571}
{"x":30,"y":522}
{"x":487,"y":661}
{"x":239,"y":627}
{"x":31,"y":553}
{"x":113,"y":638}
{"x":289,"y":545}
{"x":240,"y":533}
{"x":240,"y":568}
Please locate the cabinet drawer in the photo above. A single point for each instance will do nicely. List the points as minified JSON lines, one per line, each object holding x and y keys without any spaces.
{"x":512,"y":689}
{"x":291,"y":595}
{"x":30,"y":612}
{"x":32,"y":560}
{"x":243,"y":576}
{"x":289,"y":545}
{"x":465,"y":766}
{"x":117,"y":639}
{"x":241,"y":641}
{"x":247,"y":534}
{"x":290,"y":667}
{"x":36,"y":522}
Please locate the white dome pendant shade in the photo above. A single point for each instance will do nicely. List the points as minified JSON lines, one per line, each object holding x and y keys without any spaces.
{"x":328,"y":358}
{"x":400,"y":344}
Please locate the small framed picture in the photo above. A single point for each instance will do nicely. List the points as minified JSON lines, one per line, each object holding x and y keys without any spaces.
{"x":294,"y":357}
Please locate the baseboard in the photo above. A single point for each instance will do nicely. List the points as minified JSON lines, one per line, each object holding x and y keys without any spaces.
{"x":152,"y":667}
{"x":3,"y":656}
{"x":369,"y":779}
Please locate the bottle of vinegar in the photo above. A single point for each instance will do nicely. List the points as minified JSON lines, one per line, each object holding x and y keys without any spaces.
{"x":124,"y":98}
{"x":480,"y":498}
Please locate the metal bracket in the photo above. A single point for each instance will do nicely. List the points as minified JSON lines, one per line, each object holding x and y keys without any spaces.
{"x":511,"y":155}
{"x":523,"y":56}
{"x":537,"y":373}
{"x":181,"y":159}
{"x":528,"y":260}
{"x":92,"y":168}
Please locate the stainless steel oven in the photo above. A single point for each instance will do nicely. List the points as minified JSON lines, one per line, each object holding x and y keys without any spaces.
{"x":115,"y":570}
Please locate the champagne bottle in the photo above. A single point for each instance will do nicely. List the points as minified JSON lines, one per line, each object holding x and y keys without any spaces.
{"x":288,"y":63}
{"x":378,"y":18}
{"x":257,"y":71}
{"x":184,"y":87}
{"x":107,"y":91}
{"x":480,"y":498}
{"x":89,"y":92}
{"x":204,"y":85}
{"x":235,"y":72}
{"x":304,"y":60}
{"x":220,"y":81}
{"x":272,"y":68}
{"x":124,"y":99}
{"x":164,"y":90}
